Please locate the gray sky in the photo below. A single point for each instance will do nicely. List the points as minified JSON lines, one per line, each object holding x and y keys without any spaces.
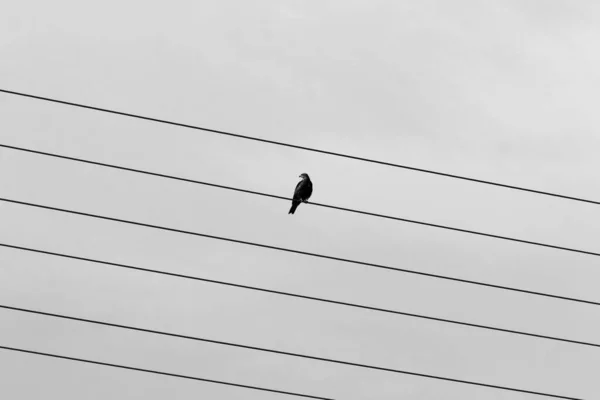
{"x":505,"y":91}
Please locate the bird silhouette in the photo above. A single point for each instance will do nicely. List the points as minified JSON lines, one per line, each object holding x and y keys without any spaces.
{"x":302,"y":192}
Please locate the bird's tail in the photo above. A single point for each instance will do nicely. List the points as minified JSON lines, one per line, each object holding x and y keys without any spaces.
{"x":295,"y":205}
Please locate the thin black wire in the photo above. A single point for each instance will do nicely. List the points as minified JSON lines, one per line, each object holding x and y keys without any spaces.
{"x":331,"y":153}
{"x":306,"y":253}
{"x":315,"y":204}
{"x":329,"y":360}
{"x":300,"y":296}
{"x":38,"y":353}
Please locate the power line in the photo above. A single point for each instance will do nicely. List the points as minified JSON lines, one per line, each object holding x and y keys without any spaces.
{"x":300,"y":296}
{"x":331,"y":153}
{"x":450,"y":228}
{"x":329,"y":360}
{"x":38,"y":353}
{"x":306,"y":253}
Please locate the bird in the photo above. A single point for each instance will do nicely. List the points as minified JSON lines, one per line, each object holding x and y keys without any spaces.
{"x":302,"y":192}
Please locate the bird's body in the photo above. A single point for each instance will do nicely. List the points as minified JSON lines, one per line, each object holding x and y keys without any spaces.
{"x":302,"y":192}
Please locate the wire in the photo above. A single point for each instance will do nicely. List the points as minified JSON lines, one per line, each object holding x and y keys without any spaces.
{"x":163,"y":373}
{"x":315,"y":204}
{"x":265,"y":246}
{"x":329,"y":360}
{"x":304,"y":297}
{"x":331,"y":153}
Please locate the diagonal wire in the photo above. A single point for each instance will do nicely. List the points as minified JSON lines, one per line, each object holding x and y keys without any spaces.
{"x":306,"y":253}
{"x":304,"y":297}
{"x":305,"y":148}
{"x":329,"y":360}
{"x":39,"y":353}
{"x":412,"y":221}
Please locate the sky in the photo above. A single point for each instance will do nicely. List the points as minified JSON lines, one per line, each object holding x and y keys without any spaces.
{"x":502,"y":91}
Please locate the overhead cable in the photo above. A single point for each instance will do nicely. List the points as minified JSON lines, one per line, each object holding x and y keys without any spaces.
{"x":305,"y":297}
{"x":305,"y":148}
{"x":150,"y":371}
{"x":372,"y":367}
{"x":412,"y":221}
{"x":306,"y":253}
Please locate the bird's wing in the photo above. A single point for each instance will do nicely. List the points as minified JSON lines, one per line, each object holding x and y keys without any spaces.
{"x":298,"y":190}
{"x":304,"y":189}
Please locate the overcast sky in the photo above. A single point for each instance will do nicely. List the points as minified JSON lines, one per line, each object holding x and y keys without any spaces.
{"x":504,"y":91}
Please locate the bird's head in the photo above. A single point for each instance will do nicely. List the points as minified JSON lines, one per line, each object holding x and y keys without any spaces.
{"x":304,"y":175}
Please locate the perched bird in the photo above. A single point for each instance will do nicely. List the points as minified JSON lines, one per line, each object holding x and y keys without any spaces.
{"x":302,"y":193}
